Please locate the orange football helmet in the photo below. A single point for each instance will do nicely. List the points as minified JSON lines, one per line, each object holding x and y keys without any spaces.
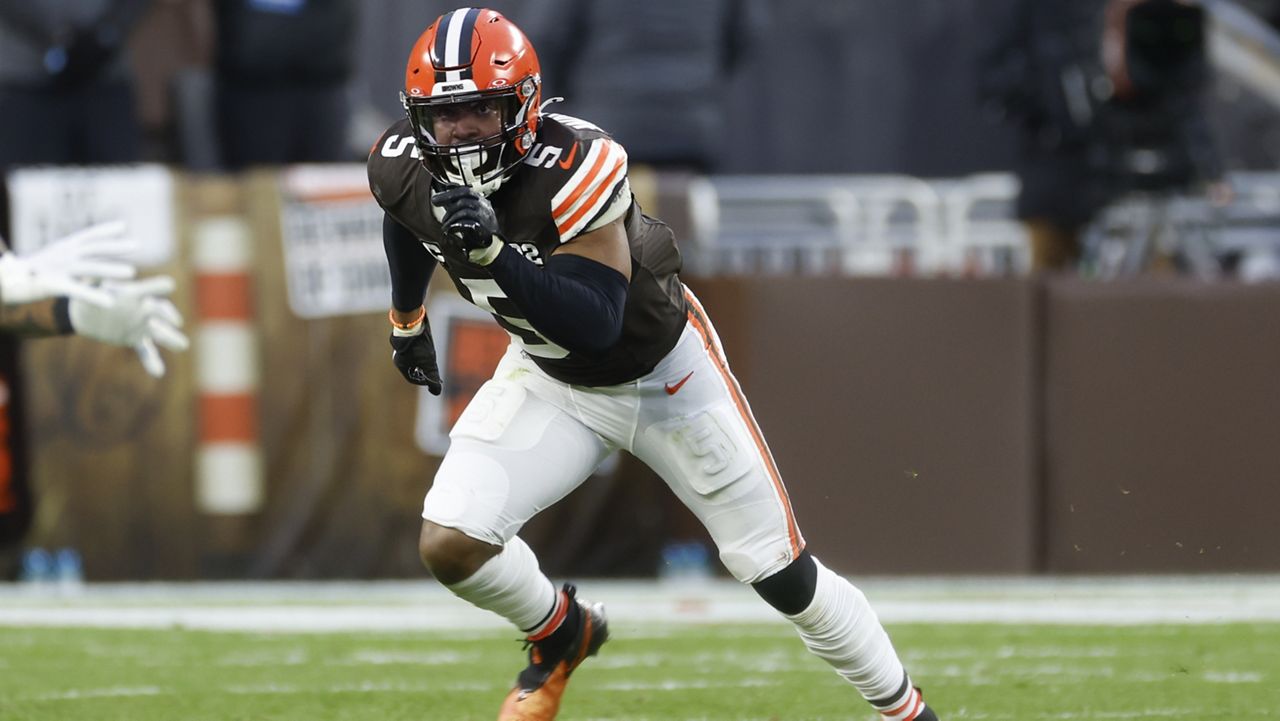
{"x":465,"y":56}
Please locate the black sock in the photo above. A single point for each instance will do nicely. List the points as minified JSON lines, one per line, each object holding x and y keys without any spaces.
{"x":557,"y":643}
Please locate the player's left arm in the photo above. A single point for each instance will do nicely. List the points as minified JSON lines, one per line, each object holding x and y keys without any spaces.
{"x":576,"y":299}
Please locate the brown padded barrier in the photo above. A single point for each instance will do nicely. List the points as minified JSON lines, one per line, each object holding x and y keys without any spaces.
{"x":899,"y":412}
{"x":905,"y":416}
{"x":1162,"y":417}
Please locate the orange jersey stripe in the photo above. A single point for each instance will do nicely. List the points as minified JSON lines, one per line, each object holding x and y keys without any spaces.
{"x":223,"y":296}
{"x":583,"y":184}
{"x":698,"y":318}
{"x":228,"y":418}
{"x":586,"y":207}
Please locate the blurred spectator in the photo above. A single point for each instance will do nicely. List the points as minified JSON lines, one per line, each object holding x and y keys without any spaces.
{"x":282,"y":70}
{"x":67,"y":96}
{"x":653,"y":73}
{"x":65,"y":86}
{"x":1107,"y":97}
{"x":64,"y":83}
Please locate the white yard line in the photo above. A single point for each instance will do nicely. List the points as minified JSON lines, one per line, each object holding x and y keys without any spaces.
{"x":425,"y":606}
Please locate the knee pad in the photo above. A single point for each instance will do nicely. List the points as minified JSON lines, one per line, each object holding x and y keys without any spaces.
{"x":791,"y":589}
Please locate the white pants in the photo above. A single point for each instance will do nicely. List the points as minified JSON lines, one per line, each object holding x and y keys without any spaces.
{"x":526,"y":440}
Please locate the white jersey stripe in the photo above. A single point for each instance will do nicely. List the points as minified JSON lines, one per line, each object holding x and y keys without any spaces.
{"x":596,"y":191}
{"x":599,"y":198}
{"x":618,"y":206}
{"x":584,"y":183}
{"x":597,"y":172}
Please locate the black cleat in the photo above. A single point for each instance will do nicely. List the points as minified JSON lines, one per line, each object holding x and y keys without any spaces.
{"x":540,"y":686}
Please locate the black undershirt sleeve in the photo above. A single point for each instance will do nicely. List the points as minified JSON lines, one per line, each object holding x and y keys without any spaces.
{"x":574,"y":302}
{"x":411,"y":265}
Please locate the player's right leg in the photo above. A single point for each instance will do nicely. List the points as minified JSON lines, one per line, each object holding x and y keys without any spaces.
{"x":512,"y":454}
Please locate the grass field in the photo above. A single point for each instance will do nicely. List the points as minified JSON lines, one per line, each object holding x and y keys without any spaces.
{"x":648,"y":672}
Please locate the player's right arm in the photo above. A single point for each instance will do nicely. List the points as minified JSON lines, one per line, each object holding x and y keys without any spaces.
{"x":392,"y":167}
{"x":412,"y":349}
{"x":411,"y":267}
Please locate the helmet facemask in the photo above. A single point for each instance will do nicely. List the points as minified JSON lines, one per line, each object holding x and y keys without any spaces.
{"x":484,"y":163}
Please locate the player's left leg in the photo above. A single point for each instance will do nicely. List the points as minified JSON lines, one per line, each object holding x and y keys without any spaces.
{"x":703,"y":441}
{"x":839,"y":626}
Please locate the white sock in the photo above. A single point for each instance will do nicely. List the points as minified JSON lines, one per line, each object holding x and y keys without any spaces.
{"x":840,"y":628}
{"x":511,"y":585}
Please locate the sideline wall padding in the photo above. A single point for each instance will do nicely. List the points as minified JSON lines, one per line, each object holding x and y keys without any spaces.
{"x":921,"y":426}
{"x":345,"y":478}
{"x":899,"y":412}
{"x":1162,"y":417}
{"x":112,"y":447}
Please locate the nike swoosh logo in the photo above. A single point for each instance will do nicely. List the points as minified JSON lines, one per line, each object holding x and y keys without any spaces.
{"x":674,"y":388}
{"x":568,"y":160}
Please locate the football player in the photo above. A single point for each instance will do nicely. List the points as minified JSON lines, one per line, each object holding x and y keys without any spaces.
{"x":82,"y":284}
{"x":531,"y":216}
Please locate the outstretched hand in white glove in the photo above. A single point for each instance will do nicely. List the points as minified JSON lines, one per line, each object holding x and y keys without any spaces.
{"x":139,"y":315}
{"x":68,"y":267}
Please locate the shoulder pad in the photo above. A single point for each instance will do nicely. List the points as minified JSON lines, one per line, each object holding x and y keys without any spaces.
{"x":391,"y":161}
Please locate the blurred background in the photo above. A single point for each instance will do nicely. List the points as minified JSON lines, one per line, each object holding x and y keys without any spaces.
{"x":999,"y":276}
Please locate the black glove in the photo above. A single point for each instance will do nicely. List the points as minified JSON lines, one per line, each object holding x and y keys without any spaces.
{"x":469,"y":220}
{"x":415,"y":356}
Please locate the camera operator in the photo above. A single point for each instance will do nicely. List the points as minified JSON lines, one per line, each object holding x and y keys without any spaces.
{"x":1107,"y":95}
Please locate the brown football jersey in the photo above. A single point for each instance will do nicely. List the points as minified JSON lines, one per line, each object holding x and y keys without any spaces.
{"x":573,"y":180}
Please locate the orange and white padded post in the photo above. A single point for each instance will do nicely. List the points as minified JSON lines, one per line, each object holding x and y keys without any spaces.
{"x":229,"y":472}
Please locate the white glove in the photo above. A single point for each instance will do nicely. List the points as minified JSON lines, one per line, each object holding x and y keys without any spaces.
{"x":138,"y":316}
{"x":67,"y":266}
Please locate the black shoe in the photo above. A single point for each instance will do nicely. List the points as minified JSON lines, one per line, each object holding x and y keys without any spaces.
{"x":540,"y":686}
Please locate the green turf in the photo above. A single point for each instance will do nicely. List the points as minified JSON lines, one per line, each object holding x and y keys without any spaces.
{"x":711,"y":673}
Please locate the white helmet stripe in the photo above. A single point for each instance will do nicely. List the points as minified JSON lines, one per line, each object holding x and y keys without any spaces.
{"x":453,"y":47}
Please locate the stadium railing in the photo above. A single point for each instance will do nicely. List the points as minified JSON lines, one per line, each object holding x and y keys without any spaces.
{"x":962,"y":227}
{"x":858,"y":225}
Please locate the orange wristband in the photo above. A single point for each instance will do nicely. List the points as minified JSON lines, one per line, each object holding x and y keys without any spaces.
{"x":422,"y":313}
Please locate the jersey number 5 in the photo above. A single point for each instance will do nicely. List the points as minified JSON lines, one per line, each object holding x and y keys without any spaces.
{"x":486,"y":294}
